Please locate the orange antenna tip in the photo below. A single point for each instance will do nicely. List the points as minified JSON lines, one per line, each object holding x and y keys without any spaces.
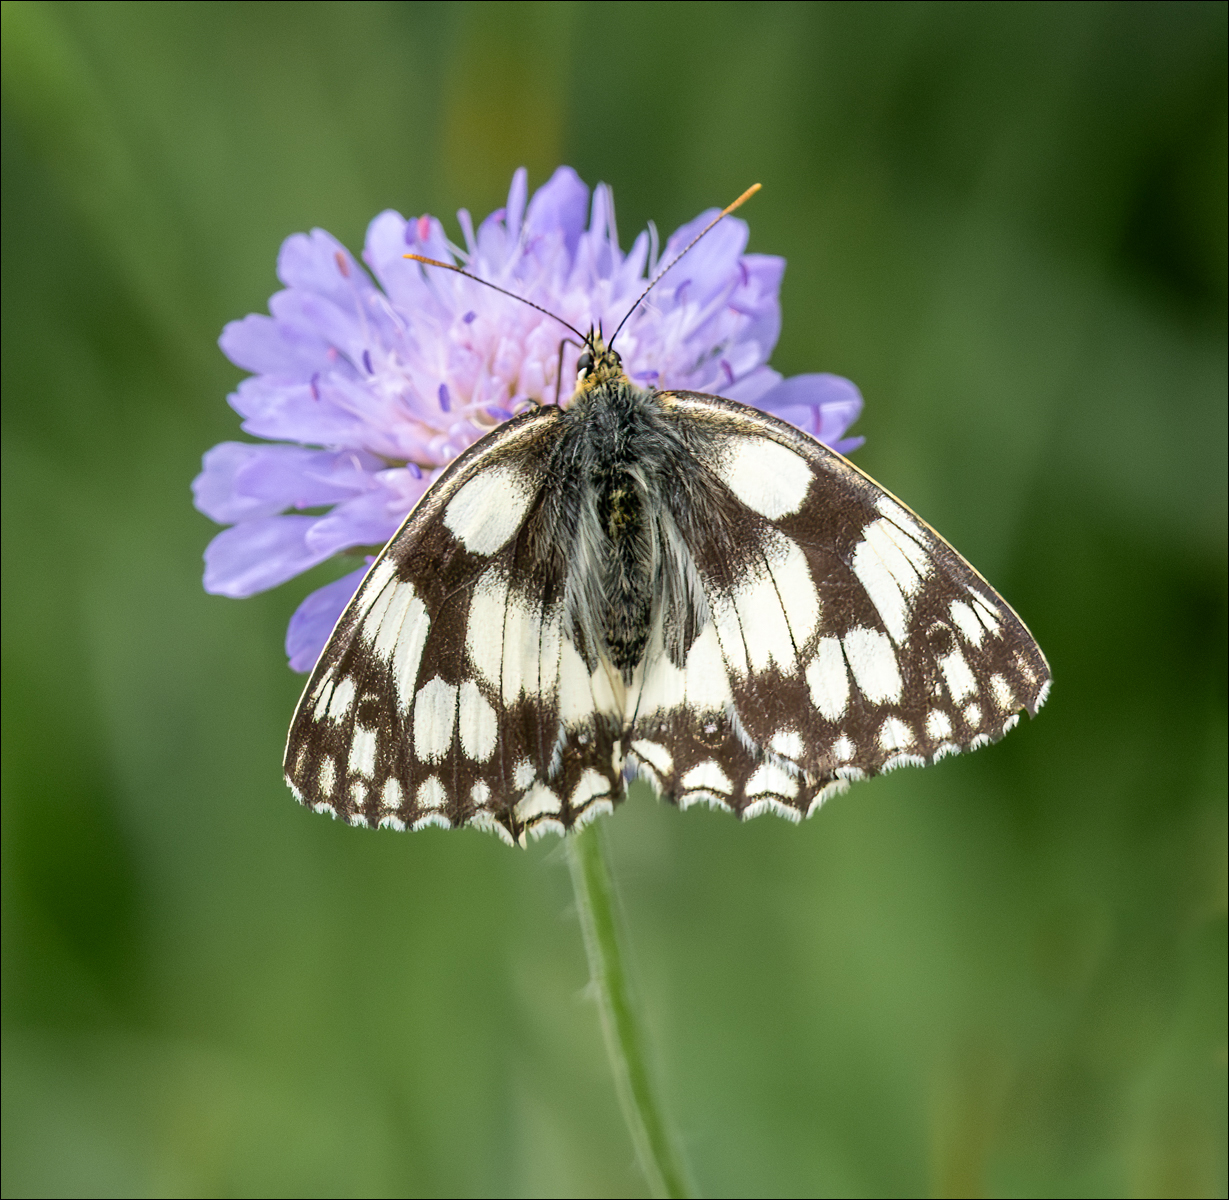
{"x":432,"y":262}
{"x":725,"y":212}
{"x":729,"y":208}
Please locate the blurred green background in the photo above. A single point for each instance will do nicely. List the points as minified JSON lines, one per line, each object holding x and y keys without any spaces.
{"x":1001,"y":976}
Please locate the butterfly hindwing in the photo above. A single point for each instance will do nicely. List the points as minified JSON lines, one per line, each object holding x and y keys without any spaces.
{"x":448,"y":693}
{"x":846,"y":637}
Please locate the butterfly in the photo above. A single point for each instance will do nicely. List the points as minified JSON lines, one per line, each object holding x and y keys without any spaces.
{"x":654,"y":584}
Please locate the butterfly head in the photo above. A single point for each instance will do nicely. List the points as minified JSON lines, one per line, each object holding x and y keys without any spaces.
{"x":598,"y":364}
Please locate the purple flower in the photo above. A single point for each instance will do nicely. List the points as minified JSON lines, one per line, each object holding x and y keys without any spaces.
{"x":367,"y":392}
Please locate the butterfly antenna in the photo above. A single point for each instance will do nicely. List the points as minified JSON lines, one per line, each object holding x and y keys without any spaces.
{"x":725,"y":212}
{"x":435,"y":262}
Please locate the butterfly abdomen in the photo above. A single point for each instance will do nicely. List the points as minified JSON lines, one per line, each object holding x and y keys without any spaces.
{"x":618,"y":485}
{"x":628,"y":601}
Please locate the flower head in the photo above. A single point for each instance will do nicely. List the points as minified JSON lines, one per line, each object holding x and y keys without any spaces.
{"x":367,"y":389}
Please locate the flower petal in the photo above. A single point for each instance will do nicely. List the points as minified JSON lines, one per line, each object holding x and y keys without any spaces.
{"x":319,"y":263}
{"x":241,"y":482}
{"x":712,"y":266}
{"x":561,"y":205}
{"x":294,"y":411}
{"x":372,"y":518}
{"x":758,"y":301}
{"x":846,"y":445}
{"x":315,"y":618}
{"x":752,"y":387}
{"x":515,"y":208}
{"x":389,"y":238}
{"x":362,"y":522}
{"x":267,"y":346}
{"x":254,"y":556}
{"x":214,"y":491}
{"x":345,"y":329}
{"x":296,"y":477}
{"x":823,"y":405}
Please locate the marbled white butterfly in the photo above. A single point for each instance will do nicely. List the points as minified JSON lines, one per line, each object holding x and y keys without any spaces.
{"x":658,"y":584}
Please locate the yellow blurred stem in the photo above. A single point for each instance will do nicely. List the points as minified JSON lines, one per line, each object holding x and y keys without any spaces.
{"x":625,"y":1040}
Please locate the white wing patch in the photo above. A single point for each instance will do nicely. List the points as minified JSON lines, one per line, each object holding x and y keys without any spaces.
{"x":477,"y":723}
{"x":968,"y":624}
{"x":431,"y":793}
{"x":873,"y":661}
{"x":407,"y":653}
{"x":655,"y":754}
{"x":961,"y":682}
{"x":760,"y":622}
{"x":702,"y":684}
{"x":539,"y":801}
{"x":484,"y":631}
{"x":435,"y":713}
{"x":327,"y":777}
{"x":708,"y":777}
{"x":363,"y":752}
{"x":938,"y":725}
{"x":373,"y":585}
{"x":488,"y":509}
{"x":829,"y":680}
{"x":767,"y":477}
{"x":768,"y":778}
{"x":891,"y":566}
{"x":787,"y":743}
{"x":796,"y":591}
{"x":343,"y":697}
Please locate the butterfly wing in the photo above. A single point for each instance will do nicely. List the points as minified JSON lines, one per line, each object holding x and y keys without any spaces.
{"x":846,"y":636}
{"x":448,"y":694}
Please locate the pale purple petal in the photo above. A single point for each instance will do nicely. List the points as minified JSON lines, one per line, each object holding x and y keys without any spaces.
{"x":256,"y":555}
{"x":559,"y":205}
{"x":712,"y":267}
{"x":341,"y":325}
{"x":320,"y":264}
{"x":372,"y":518}
{"x":389,"y":238}
{"x":296,"y":477}
{"x":315,"y":618}
{"x":266,"y":346}
{"x":515,"y":207}
{"x":846,"y":445}
{"x":752,"y":386}
{"x":362,"y":522}
{"x":241,"y":481}
{"x":757,"y":300}
{"x":304,"y":412}
{"x":214,"y":491}
{"x":824,"y":406}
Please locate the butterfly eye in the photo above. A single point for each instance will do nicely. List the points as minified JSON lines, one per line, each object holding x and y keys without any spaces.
{"x":584,"y":363}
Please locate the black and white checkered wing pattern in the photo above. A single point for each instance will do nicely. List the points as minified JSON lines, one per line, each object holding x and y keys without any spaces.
{"x":846,"y":637}
{"x":447,"y":694}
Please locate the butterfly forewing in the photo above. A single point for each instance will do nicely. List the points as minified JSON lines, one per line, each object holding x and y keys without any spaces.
{"x":846,"y":636}
{"x":448,"y":693}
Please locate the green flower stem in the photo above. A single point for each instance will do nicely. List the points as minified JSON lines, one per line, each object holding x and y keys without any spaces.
{"x":624,"y":1033}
